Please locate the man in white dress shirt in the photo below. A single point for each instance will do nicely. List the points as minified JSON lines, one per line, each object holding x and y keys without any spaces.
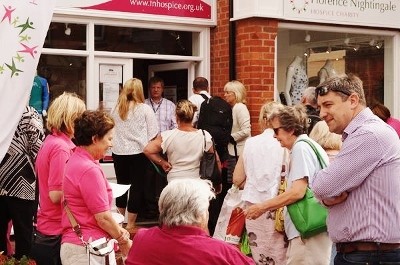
{"x":200,"y":87}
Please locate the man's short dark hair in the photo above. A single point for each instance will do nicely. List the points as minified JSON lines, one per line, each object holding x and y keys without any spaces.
{"x":200,"y":83}
{"x":154,"y":80}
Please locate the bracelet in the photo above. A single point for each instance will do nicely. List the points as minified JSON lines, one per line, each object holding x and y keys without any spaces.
{"x":159,"y":161}
{"x":122,"y":238}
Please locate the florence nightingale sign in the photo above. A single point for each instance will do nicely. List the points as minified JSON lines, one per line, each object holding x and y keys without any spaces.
{"x":384,"y":13}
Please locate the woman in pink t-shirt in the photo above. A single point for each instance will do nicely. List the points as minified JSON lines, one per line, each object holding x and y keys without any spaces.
{"x":87,"y":191}
{"x":383,"y":113}
{"x":50,"y":166}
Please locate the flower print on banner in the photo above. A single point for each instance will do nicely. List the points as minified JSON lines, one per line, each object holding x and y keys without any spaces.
{"x":23,"y":28}
{"x":299,"y":5}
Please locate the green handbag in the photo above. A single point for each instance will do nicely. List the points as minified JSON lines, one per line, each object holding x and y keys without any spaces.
{"x":307,"y":214}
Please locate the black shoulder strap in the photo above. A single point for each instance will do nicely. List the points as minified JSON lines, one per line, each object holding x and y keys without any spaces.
{"x":204,"y":96}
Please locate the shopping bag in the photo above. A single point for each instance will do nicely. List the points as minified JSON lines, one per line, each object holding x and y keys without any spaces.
{"x":245,"y":244}
{"x":235,"y":227}
{"x":232,"y":200}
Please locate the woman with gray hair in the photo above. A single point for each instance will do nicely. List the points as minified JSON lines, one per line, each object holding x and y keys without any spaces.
{"x":182,"y":238}
{"x":290,"y":127}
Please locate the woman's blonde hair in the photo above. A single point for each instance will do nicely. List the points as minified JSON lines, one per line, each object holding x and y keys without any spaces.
{"x":185,"y":110}
{"x":63,"y":111}
{"x":326,"y":139}
{"x":132,"y":91}
{"x":267,"y":110}
{"x":238,"y":89}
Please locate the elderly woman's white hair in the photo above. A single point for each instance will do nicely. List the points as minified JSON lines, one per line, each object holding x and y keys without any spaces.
{"x":185,"y":202}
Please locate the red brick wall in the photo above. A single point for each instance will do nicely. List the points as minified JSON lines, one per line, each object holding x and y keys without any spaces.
{"x":220,"y":49}
{"x":255,"y":50}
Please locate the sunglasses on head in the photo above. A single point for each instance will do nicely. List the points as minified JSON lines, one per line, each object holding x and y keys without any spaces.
{"x":323,"y":90}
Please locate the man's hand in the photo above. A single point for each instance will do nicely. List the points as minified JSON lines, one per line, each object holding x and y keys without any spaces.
{"x":336,"y":200}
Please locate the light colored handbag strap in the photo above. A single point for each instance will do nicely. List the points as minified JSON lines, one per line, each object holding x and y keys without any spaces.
{"x":321,"y":161}
{"x":204,"y":137}
{"x":75,"y":226}
{"x":284,"y":160}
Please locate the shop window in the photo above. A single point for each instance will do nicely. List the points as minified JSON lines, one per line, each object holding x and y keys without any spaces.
{"x":66,"y":36}
{"x":139,"y":40}
{"x":360,"y":54}
{"x":64,"y":73}
{"x":366,"y":62}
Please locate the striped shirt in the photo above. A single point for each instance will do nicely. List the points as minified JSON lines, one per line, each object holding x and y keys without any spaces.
{"x":368,"y":168}
{"x":17,"y":174}
{"x":165,"y":113}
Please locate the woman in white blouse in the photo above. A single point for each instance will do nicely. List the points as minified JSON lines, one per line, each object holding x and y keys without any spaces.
{"x":258,"y":171}
{"x":183,"y":146}
{"x":135,"y":126}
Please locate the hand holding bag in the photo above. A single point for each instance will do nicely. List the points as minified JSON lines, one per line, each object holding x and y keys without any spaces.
{"x":209,"y":166}
{"x":307,"y":214}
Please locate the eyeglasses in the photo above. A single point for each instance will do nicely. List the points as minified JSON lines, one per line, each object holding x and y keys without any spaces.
{"x":276,"y":130}
{"x":323,"y":90}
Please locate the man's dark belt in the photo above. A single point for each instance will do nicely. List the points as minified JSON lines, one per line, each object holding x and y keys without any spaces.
{"x":365,"y":246}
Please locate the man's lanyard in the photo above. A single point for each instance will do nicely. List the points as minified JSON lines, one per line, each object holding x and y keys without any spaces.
{"x":158,"y":107}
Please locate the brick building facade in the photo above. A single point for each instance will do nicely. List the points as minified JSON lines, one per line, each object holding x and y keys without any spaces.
{"x":254,"y":54}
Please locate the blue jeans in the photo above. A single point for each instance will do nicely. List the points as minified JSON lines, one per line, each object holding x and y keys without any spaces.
{"x":369,"y":257}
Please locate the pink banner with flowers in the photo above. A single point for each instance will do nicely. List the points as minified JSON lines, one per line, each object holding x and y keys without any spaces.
{"x":23,"y":28}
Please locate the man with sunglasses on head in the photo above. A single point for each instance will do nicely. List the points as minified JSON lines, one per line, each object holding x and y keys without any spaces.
{"x":361,"y":187}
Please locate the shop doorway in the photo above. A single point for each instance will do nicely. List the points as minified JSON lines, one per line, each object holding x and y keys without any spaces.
{"x":177,"y":79}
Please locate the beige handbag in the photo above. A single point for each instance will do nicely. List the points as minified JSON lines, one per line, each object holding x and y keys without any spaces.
{"x":279,"y":214}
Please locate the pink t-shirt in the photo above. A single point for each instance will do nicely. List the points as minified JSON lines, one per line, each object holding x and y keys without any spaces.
{"x":395,"y":124}
{"x":87,"y":193}
{"x":182,"y":245}
{"x":50,"y":166}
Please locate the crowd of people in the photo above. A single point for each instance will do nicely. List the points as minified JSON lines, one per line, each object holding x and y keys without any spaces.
{"x":61,"y":173}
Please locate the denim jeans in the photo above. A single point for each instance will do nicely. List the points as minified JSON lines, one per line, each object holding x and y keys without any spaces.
{"x":369,"y":258}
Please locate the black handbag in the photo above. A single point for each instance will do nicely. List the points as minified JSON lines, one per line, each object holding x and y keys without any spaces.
{"x":45,"y":249}
{"x":209,"y":166}
{"x":45,"y":240}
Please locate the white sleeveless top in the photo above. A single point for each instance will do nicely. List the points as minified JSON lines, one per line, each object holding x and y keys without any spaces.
{"x":184,"y":150}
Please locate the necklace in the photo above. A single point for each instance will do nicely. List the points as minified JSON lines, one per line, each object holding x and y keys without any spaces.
{"x":158,"y":107}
